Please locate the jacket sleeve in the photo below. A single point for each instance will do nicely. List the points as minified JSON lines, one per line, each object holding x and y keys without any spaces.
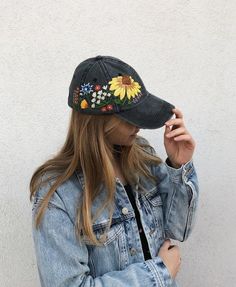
{"x":179,"y":190}
{"x":62,"y":261}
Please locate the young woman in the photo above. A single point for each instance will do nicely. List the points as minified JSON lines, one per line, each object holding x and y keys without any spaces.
{"x":106,"y":206}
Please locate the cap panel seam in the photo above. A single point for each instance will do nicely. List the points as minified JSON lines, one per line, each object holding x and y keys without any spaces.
{"x":90,"y":66}
{"x":103,"y":67}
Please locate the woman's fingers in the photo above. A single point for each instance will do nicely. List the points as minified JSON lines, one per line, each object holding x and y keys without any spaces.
{"x":176,"y":132}
{"x":178,"y":113}
{"x":183,"y":138}
{"x":175,"y":121}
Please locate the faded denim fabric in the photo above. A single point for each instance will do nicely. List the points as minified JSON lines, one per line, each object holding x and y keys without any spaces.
{"x":167,"y":210}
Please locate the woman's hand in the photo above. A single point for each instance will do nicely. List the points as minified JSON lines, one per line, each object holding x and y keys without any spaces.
{"x":170,"y":255}
{"x":178,"y":142}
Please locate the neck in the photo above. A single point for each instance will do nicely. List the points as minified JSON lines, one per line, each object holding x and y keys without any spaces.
{"x":116,"y":164}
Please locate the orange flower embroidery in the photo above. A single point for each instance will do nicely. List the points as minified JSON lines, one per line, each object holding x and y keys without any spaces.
{"x":84,"y":104}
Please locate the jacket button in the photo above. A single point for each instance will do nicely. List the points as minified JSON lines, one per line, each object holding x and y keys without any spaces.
{"x":125,"y":210}
{"x":133,"y":251}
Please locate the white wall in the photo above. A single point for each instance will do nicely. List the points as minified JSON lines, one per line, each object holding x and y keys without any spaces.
{"x":184,"y":51}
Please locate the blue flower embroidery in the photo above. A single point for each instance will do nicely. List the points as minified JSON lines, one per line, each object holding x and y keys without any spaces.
{"x":86,"y":88}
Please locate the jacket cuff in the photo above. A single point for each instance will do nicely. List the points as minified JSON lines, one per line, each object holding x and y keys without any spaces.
{"x":160,"y":271}
{"x":182,"y":174}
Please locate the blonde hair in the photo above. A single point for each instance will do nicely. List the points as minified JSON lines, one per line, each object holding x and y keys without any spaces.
{"x":86,"y":147}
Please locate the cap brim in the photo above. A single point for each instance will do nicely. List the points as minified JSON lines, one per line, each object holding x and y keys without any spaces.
{"x":151,"y":113}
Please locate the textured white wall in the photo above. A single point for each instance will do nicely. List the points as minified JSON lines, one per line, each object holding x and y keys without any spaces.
{"x":184,"y":51}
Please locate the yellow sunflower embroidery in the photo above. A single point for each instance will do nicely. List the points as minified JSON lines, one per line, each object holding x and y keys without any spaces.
{"x":124,"y":85}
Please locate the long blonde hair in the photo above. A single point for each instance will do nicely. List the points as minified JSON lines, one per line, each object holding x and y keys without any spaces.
{"x":86,"y":147}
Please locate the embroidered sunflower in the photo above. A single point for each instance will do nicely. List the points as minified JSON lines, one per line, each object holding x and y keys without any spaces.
{"x":124,"y":86}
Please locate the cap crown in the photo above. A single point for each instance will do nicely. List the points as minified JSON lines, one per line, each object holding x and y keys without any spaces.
{"x":105,"y":84}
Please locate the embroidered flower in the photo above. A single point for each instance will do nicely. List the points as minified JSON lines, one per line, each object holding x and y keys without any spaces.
{"x":87,"y":88}
{"x":109,"y":107}
{"x":124,"y":86}
{"x":97,"y":88}
{"x":84,"y":104}
{"x":120,"y":91}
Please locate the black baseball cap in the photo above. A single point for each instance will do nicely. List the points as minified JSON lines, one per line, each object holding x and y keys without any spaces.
{"x":107,"y":85}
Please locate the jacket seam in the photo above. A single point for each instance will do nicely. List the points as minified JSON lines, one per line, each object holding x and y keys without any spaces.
{"x":154,"y":269}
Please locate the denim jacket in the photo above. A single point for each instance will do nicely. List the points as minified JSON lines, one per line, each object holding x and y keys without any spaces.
{"x":167,"y":210}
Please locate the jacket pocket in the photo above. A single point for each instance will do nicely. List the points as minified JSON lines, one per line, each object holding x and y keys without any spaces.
{"x":105,"y":236}
{"x":154,"y":197}
{"x":113,"y":247}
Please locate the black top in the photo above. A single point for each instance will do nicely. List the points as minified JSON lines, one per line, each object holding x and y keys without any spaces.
{"x":143,"y":238}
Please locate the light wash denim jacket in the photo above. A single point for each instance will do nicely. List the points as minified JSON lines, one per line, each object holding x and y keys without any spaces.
{"x":167,"y":210}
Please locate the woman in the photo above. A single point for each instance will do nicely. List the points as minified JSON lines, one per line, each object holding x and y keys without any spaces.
{"x":106,"y":206}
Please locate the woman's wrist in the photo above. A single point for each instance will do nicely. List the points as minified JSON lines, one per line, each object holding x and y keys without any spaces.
{"x":172,"y":164}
